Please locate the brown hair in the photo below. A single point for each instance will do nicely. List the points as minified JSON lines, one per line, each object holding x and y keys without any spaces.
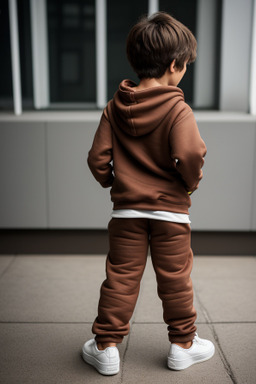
{"x":154,"y":42}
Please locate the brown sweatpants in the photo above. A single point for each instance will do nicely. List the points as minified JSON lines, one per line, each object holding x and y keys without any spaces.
{"x":172,"y":260}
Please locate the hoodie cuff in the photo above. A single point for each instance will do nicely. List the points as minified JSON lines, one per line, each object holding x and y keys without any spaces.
{"x":108,"y":183}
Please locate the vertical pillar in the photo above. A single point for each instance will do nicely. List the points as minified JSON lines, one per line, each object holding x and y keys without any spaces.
{"x":39,"y":53}
{"x":15,"y":56}
{"x":235,"y":55}
{"x":204,"y":82}
{"x":153,"y":6}
{"x":101,"y":53}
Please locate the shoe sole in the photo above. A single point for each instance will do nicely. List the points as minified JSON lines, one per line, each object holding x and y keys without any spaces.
{"x":106,"y":369}
{"x":178,"y":365}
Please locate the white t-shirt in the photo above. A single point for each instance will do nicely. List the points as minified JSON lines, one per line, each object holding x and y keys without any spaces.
{"x":156,"y":215}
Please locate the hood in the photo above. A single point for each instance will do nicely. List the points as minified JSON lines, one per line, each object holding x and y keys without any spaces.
{"x":138,"y":113}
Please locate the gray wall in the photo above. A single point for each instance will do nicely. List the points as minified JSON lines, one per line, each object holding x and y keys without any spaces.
{"x":226,"y":199}
{"x":45,"y":181}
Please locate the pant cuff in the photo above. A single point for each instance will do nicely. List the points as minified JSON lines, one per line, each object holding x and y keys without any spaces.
{"x":108,"y":339}
{"x":181,"y":338}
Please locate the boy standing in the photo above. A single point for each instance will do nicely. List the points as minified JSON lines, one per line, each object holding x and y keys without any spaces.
{"x":150,"y":134}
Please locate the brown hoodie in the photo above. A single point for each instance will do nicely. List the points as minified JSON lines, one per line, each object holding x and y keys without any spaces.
{"x":157,"y":152}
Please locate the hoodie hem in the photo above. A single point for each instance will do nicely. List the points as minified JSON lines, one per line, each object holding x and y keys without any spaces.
{"x":158,"y":206}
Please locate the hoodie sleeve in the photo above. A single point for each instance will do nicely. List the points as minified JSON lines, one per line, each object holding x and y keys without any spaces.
{"x":100,"y":155}
{"x":187,"y":149}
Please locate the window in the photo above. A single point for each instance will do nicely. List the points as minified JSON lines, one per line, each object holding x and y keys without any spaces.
{"x":6,"y":75}
{"x":6,"y":93}
{"x":200,"y":83}
{"x":121,"y":16}
{"x":188,"y":18}
{"x":71,"y":41}
{"x":25,"y":52}
{"x":72,"y":52}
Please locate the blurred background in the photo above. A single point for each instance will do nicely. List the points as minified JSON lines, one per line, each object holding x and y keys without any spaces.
{"x":61,"y":61}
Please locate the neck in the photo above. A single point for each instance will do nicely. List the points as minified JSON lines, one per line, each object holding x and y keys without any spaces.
{"x":150,"y":83}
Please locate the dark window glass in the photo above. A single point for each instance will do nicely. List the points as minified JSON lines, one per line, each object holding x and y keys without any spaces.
{"x":6,"y":66}
{"x":25,"y":53}
{"x":6,"y":92}
{"x":72,"y":64}
{"x":185,"y":12}
{"x":121,"y":16}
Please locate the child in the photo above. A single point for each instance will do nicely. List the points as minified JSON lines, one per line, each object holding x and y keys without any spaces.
{"x":150,"y":134}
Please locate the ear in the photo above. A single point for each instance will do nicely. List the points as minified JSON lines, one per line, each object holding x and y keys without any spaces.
{"x":172,"y":66}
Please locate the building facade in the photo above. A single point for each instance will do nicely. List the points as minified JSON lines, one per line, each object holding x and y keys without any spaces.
{"x":63,"y":60}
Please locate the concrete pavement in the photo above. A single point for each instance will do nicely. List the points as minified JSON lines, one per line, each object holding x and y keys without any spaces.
{"x":48,"y":303}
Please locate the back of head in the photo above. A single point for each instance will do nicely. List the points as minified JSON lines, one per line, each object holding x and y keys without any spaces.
{"x":155,"y":41}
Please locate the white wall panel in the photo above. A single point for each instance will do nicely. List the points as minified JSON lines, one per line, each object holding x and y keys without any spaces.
{"x":253,"y":212}
{"x":76,"y":200}
{"x":224,"y":198}
{"x":22,"y":175}
{"x":46,"y":183}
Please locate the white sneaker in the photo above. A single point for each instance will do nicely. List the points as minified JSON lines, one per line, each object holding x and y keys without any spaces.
{"x":180,"y":358}
{"x":107,"y":362}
